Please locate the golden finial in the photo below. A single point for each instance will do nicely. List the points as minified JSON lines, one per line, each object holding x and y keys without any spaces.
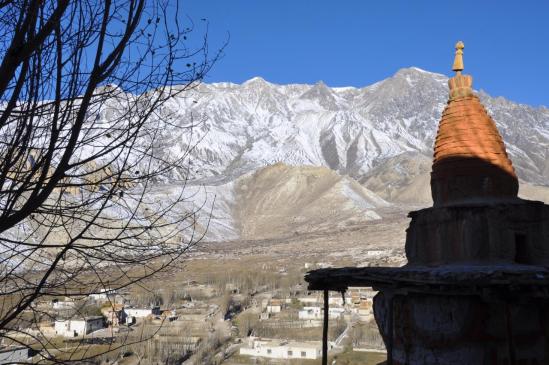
{"x":458,"y":60}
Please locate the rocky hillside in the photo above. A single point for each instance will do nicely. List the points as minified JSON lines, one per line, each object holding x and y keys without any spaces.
{"x":349,"y":130}
{"x":279,"y":200}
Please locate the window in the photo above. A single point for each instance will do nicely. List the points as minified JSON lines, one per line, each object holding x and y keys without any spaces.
{"x":290,"y":353}
{"x":303,"y":354}
{"x":521,"y":249}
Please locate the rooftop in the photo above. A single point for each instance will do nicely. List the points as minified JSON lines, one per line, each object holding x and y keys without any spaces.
{"x":90,"y":318}
{"x":277,"y":342}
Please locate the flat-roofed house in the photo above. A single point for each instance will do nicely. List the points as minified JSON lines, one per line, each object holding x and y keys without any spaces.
{"x":77,"y":327}
{"x":103,"y":294}
{"x":274,"y":306}
{"x":142,"y":312}
{"x":318,"y":313}
{"x":66,"y":303}
{"x":281,"y":349}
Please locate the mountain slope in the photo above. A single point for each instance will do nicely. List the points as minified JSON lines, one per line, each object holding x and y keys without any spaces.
{"x":406,"y":180}
{"x":403,"y":179}
{"x":380,"y":135}
{"x":349,"y":130}
{"x":279,"y":200}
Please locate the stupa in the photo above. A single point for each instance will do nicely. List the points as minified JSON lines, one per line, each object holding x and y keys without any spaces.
{"x":470,"y":161}
{"x":475,"y":289}
{"x":476,"y":217}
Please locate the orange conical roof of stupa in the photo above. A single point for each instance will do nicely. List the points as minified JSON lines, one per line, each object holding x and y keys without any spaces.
{"x":470,"y":160}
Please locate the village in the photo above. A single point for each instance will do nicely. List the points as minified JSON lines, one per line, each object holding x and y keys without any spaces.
{"x":230,"y":319}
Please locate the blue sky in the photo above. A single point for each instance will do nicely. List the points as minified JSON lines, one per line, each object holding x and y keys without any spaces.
{"x":356,"y":43}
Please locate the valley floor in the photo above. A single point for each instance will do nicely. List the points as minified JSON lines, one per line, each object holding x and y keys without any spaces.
{"x":226,"y":295}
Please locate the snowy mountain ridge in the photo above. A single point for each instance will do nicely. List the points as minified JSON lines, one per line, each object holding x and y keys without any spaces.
{"x":267,"y":161}
{"x":380,"y":136}
{"x":349,"y":130}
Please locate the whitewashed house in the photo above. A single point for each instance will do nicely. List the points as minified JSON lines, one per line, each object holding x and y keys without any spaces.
{"x":365,"y":310}
{"x":274,"y":306}
{"x":332,"y":300}
{"x":310,"y":300}
{"x":77,"y":327}
{"x":318,"y":313}
{"x":103,"y":294}
{"x":142,"y":312}
{"x":310,"y":313}
{"x":63,"y":304}
{"x":13,"y":354}
{"x":280,"y":349}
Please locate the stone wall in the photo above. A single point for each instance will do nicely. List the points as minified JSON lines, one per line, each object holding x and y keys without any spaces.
{"x":452,"y":329}
{"x":498,"y":233}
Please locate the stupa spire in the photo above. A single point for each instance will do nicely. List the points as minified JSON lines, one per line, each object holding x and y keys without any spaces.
{"x":458,"y":59}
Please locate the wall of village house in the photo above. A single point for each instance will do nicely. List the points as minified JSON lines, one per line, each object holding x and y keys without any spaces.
{"x":281,"y":352}
{"x":77,"y":327}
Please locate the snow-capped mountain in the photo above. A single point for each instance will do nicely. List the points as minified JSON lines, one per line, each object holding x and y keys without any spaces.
{"x":267,"y":160}
{"x":380,"y":135}
{"x":349,"y":130}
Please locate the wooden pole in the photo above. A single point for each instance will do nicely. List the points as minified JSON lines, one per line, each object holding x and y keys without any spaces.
{"x":325,"y":330}
{"x":390,"y":330}
{"x":510,"y":342}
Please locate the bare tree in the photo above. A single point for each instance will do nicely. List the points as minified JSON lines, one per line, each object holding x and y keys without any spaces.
{"x":85,"y":110}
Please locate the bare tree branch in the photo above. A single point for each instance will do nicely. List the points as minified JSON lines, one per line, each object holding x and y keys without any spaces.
{"x":86,"y":89}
